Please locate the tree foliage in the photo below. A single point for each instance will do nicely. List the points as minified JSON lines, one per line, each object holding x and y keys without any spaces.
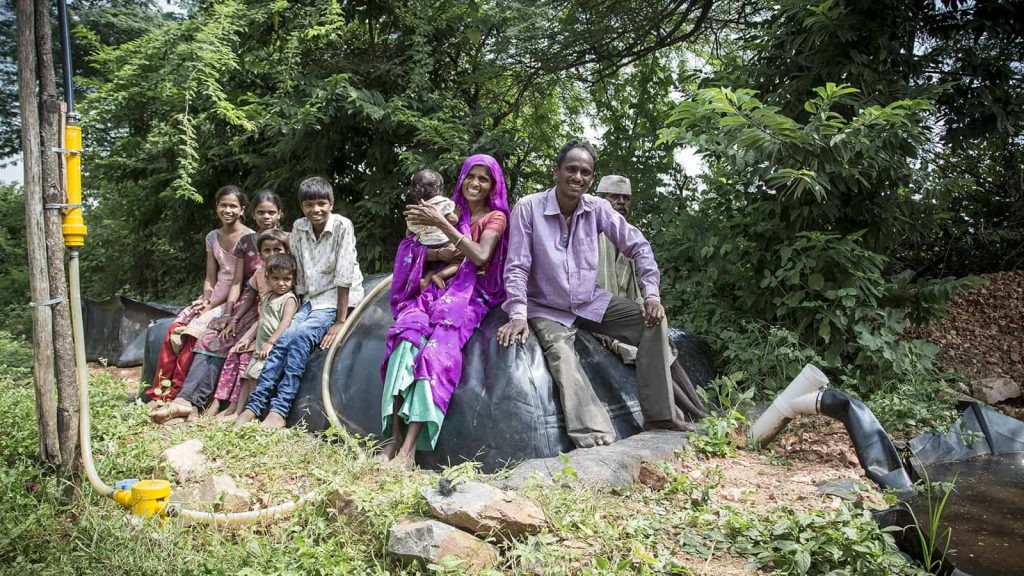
{"x":268,"y":93}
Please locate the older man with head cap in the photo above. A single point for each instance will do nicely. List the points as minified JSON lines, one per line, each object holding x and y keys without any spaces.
{"x":615,"y":272}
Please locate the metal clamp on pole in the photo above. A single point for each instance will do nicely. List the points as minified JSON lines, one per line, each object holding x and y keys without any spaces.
{"x":66,"y":151}
{"x":51,"y":302}
{"x":60,"y":206}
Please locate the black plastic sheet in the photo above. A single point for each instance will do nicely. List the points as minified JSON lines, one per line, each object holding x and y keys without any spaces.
{"x":116,"y":329}
{"x":982,"y":454}
{"x":506,"y":407}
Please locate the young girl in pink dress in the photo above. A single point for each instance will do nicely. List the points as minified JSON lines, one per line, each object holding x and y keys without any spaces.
{"x":176,"y":352}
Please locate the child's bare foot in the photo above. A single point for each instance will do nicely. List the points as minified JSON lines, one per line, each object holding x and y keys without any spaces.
{"x":152,"y":405}
{"x":229,"y":413}
{"x":176,"y":409}
{"x":273,"y":421}
{"x":244,"y":418}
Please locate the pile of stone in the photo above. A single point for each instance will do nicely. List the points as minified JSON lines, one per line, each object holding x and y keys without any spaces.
{"x":186,"y":465}
{"x":468,"y":517}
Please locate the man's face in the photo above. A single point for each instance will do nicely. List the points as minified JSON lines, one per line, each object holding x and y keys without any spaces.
{"x":620,"y":202}
{"x":574,"y":177}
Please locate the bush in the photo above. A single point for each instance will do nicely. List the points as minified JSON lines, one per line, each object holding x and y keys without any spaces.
{"x":782,"y":259}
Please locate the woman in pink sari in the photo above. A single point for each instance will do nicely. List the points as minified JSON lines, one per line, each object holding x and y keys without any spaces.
{"x":423,"y":358}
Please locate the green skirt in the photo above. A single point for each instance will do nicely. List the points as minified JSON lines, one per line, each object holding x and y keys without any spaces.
{"x":417,"y":400}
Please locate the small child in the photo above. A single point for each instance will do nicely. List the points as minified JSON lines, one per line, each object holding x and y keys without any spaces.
{"x":231,"y":385}
{"x":427,"y":187}
{"x":277,"y":308}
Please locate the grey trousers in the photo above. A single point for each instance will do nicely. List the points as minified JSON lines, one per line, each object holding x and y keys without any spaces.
{"x":585,"y":417}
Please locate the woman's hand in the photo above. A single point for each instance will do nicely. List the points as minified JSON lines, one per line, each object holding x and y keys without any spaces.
{"x":449,"y":254}
{"x":229,"y":329}
{"x":424,"y":215}
{"x":241,"y":346}
{"x":515,"y":331}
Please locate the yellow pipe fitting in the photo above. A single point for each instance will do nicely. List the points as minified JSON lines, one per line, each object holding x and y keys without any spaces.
{"x":74,"y":228}
{"x":145,"y":497}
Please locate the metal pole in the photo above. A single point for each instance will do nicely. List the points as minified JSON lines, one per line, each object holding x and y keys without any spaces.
{"x":65,"y":41}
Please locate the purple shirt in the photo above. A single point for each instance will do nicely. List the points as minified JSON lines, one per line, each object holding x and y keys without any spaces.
{"x":551,"y":271}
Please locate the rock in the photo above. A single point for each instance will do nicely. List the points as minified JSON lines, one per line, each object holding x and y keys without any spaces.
{"x":845,"y":488}
{"x":651,"y":476}
{"x":428,"y":541}
{"x":343,"y":505}
{"x":614,"y":466}
{"x":219,"y":492}
{"x":184,"y":462}
{"x":994,"y":390}
{"x":483,"y":509}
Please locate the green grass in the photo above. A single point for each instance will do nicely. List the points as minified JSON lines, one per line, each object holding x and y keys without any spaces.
{"x":631,"y":531}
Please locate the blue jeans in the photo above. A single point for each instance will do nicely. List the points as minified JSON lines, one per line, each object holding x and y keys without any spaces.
{"x":282,"y":372}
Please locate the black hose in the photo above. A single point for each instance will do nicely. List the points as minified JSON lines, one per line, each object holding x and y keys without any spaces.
{"x":65,"y":34}
{"x":875,"y":450}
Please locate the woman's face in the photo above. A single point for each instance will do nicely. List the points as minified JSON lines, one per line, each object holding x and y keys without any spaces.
{"x":267,"y":215}
{"x":477,"y":185}
{"x":229,"y":209}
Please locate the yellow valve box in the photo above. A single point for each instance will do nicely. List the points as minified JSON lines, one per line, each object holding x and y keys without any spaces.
{"x":74,"y":225}
{"x":145,"y":497}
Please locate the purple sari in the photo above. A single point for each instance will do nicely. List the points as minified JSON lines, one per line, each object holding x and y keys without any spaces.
{"x":443,"y":320}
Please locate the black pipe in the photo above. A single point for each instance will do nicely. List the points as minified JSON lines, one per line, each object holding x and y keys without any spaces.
{"x":875,"y":451}
{"x":65,"y":34}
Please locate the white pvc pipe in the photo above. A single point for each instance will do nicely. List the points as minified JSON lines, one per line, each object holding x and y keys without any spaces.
{"x":800,"y":397}
{"x":235,"y":518}
{"x":82,"y":373}
{"x":346,"y":329}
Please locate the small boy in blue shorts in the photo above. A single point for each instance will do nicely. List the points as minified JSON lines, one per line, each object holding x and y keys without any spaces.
{"x":329,"y":279}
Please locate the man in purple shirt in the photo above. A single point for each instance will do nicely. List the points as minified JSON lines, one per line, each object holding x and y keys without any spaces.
{"x":551,"y":281}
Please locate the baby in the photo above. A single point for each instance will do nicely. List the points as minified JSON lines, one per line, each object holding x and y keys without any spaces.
{"x":427,"y":187}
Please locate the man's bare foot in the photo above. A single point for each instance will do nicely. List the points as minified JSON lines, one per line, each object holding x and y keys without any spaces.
{"x":244,"y":418}
{"x":193,"y":415}
{"x":604,"y":440}
{"x":227,"y":417}
{"x":273,"y":421}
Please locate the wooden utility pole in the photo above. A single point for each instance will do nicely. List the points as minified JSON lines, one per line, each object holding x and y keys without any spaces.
{"x":39,"y":287}
{"x":53,"y":194}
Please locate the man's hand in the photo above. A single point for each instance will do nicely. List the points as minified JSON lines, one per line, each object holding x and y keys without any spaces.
{"x":332,"y":333}
{"x":654,"y":312}
{"x":514,"y":331}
